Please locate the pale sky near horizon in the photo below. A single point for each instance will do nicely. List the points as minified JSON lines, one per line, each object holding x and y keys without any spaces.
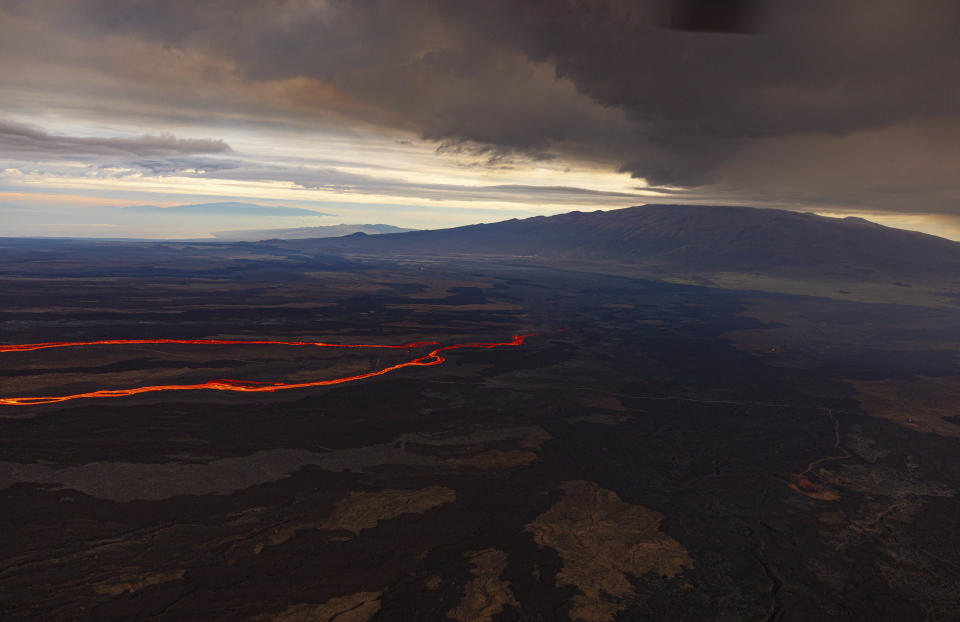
{"x":426,"y":115}
{"x":359,"y":175}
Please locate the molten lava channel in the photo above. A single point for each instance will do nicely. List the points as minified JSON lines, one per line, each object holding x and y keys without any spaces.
{"x":434,"y":357}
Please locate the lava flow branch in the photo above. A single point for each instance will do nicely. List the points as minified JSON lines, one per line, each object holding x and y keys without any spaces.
{"x":26,"y":347}
{"x":434,"y":357}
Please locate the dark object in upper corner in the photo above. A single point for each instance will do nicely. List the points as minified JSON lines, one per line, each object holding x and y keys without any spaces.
{"x":736,"y":16}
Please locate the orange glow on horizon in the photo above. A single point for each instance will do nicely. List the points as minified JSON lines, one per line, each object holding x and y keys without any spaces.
{"x":243,"y":386}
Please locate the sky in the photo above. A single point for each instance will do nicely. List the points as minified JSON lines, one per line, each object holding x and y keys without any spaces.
{"x":437,"y":113}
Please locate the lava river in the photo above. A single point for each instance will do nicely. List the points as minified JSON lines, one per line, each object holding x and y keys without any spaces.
{"x":434,"y":357}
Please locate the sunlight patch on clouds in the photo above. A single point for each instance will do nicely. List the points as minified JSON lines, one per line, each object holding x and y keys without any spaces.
{"x":278,"y":191}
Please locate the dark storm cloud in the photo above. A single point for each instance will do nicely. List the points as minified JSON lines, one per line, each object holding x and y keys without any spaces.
{"x":815,"y":68}
{"x":825,"y":102}
{"x":24,"y":141}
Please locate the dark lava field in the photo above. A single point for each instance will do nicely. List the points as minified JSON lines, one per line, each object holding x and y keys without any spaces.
{"x":656,"y":451}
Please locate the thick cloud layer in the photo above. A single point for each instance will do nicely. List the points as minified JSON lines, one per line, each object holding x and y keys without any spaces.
{"x":823,"y":103}
{"x":23,"y":141}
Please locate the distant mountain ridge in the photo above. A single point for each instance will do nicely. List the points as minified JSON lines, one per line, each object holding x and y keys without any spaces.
{"x":689,"y":238}
{"x":299,"y":233}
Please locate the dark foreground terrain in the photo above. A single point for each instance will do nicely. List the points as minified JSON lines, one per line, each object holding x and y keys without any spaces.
{"x":659,"y":452}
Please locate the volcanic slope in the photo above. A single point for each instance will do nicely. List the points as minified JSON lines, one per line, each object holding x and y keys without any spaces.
{"x":688,"y":238}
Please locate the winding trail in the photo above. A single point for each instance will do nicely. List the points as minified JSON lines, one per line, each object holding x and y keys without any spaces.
{"x":434,"y":357}
{"x":844,"y":454}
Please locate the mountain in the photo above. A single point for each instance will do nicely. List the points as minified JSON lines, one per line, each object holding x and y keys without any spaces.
{"x":229,"y":208}
{"x":298,"y":233}
{"x":689,"y":238}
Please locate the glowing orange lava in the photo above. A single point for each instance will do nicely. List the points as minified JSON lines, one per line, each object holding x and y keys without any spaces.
{"x":244,"y":386}
{"x":26,"y":347}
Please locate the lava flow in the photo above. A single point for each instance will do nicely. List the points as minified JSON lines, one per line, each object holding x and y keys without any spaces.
{"x":434,"y":357}
{"x":26,"y":347}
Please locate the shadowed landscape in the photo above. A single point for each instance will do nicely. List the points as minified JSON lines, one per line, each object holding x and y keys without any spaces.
{"x":655,"y":450}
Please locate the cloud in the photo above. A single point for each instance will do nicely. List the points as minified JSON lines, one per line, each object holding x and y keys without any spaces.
{"x":338,"y":181}
{"x":233,"y":209}
{"x":24,"y":141}
{"x":826,"y":102}
{"x":174,"y":165}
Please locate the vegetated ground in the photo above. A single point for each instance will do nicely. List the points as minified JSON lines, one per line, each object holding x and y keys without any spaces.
{"x":675,"y":452}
